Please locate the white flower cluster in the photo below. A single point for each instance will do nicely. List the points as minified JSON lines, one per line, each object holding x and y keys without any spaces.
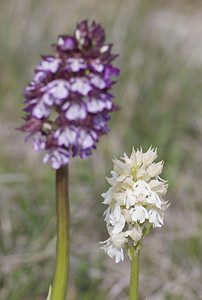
{"x":135,"y":201}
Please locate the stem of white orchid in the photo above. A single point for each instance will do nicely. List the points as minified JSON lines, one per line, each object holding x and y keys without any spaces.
{"x":60,"y":280}
{"x":134,"y":274}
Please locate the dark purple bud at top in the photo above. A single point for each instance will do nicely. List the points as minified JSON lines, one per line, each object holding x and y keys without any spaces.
{"x":68,"y":103}
{"x":67,"y":43}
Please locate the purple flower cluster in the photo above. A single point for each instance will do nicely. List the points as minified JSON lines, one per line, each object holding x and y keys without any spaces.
{"x":68,"y":101}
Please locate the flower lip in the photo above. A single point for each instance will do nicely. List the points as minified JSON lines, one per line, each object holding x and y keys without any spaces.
{"x":48,"y":64}
{"x":76,"y":111}
{"x":75,"y":64}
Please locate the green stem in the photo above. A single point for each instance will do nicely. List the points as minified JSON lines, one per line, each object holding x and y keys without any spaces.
{"x":62,"y":248}
{"x":134,"y":274}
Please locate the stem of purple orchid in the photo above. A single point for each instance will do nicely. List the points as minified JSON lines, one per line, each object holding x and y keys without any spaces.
{"x":60,"y":280}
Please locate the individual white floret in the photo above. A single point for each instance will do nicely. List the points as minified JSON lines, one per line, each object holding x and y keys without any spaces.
{"x":114,"y":246}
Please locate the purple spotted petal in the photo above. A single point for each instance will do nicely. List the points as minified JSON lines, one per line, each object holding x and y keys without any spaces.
{"x":76,"y":111}
{"x":75,"y":64}
{"x":48,"y":63}
{"x":56,"y":91}
{"x":66,"y":136}
{"x":80,"y":85}
{"x":41,"y":110}
{"x":58,"y":157}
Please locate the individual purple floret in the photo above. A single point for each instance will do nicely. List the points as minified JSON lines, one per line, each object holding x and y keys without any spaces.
{"x":68,"y":101}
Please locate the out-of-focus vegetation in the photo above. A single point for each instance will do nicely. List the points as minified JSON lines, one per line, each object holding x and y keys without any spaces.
{"x":159,"y":93}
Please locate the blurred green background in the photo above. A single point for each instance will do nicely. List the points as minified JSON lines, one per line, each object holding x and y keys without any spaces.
{"x":159,"y":91}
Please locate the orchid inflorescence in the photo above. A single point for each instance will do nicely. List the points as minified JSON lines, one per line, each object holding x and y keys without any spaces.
{"x":135,"y":201}
{"x":68,"y":101}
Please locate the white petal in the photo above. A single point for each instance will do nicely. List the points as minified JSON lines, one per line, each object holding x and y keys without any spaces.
{"x":155,"y":169}
{"x":116,"y":219}
{"x":138,"y":155}
{"x":118,"y":239}
{"x":121,"y":167}
{"x":119,"y":225}
{"x":106,"y":214}
{"x":116,"y":212}
{"x":116,"y":253}
{"x":135,"y":233}
{"x":128,"y":183}
{"x":130,"y":198}
{"x":126,"y":214}
{"x":139,"y":213}
{"x":112,"y":249}
{"x":149,"y":156}
{"x":141,"y":188}
{"x":154,"y":200}
{"x":159,"y":186}
{"x":108,"y":196}
{"x":120,"y":198}
{"x":155,"y":218}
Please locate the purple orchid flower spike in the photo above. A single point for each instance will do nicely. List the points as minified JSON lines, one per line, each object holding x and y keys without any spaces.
{"x":68,"y":103}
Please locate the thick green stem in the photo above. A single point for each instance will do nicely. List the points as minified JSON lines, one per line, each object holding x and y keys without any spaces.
{"x":62,"y":248}
{"x":134,"y":275}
